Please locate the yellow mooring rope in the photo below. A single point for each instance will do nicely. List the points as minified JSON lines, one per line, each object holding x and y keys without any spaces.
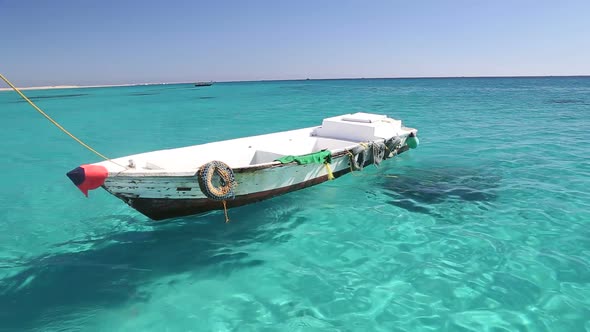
{"x":55,"y":122}
{"x":329,"y":170}
{"x":225,"y":211}
{"x":351,"y":161}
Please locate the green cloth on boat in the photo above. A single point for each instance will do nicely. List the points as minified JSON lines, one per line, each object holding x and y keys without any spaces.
{"x":324,"y":156}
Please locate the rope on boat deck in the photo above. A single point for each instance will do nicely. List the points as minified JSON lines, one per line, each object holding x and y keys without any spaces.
{"x":393,"y":151}
{"x":351,"y":161}
{"x":57,"y":124}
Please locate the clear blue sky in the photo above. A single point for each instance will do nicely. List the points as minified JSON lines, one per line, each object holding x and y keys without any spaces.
{"x":110,"y":42}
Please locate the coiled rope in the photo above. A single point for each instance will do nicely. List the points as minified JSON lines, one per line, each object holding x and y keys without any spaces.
{"x":220,"y":189}
{"x":57,"y":124}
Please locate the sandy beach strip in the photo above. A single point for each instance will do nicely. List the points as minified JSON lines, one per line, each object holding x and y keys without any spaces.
{"x":49,"y":87}
{"x":44,"y":87}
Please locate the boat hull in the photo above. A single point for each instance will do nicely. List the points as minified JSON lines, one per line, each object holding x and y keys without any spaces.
{"x":166,"y":208}
{"x":172,"y":197}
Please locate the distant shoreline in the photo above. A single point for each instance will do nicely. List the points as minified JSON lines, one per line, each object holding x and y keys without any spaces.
{"x":51,"y":87}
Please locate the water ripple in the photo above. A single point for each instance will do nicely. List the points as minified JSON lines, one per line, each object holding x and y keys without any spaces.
{"x":483,"y":227}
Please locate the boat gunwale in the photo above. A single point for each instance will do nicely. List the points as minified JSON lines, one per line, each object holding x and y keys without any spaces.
{"x":251,"y":168}
{"x":243,"y":169}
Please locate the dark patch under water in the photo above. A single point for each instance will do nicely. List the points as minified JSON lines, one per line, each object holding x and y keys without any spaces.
{"x":297,"y":87}
{"x":206,"y":97}
{"x":420,"y":189}
{"x":566,"y":101}
{"x":144,"y":93}
{"x":115,"y":268}
{"x":111,"y":273}
{"x":52,"y":97}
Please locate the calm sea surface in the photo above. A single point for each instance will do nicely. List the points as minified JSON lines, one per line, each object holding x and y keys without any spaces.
{"x":484,"y":227}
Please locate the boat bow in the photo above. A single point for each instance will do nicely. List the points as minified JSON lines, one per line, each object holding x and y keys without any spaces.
{"x":88,"y":177}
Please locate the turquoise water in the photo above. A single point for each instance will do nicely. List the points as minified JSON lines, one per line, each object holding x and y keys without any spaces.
{"x":484,"y":227}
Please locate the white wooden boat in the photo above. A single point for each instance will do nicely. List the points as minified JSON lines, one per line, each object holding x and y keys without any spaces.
{"x":190,"y":180}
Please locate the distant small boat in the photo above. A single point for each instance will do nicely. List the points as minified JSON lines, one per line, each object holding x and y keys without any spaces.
{"x":184,"y":181}
{"x":203,"y":83}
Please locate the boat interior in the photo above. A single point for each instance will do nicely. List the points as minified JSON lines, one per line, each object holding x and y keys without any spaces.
{"x":335,"y":134}
{"x":237,"y":153}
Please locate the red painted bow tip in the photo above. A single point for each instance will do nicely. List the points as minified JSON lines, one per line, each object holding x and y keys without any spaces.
{"x":88,"y":177}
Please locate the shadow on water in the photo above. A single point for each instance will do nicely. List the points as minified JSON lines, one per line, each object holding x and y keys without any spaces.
{"x":115,"y":267}
{"x":418,"y":190}
{"x":52,"y":97}
{"x":566,"y":101}
{"x":144,"y":93}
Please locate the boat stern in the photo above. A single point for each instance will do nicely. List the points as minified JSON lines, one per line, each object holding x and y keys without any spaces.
{"x":412,"y":140}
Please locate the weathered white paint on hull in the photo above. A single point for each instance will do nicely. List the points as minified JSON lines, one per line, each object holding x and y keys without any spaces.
{"x":187,"y":187}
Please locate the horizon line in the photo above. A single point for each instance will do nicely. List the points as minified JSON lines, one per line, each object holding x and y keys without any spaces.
{"x":69,"y":86}
{"x":395,"y":78}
